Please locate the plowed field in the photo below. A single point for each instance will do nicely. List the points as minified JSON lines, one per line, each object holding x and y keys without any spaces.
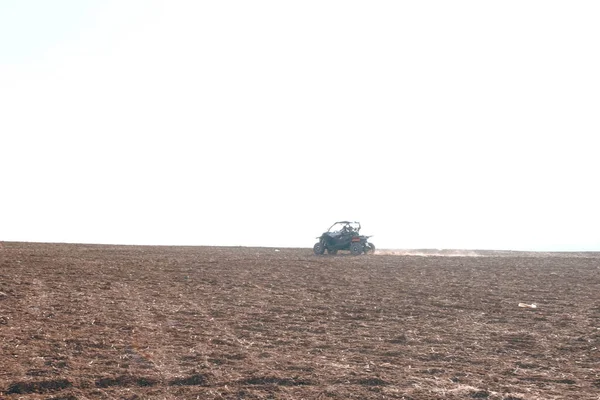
{"x":132,"y":322}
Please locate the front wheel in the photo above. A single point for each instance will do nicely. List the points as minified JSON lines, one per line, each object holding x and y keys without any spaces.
{"x":369,"y":248}
{"x":318,"y":248}
{"x":356,"y":249}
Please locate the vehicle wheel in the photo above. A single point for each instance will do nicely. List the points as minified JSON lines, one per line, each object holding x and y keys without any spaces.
{"x":332,"y":251}
{"x":318,"y":248}
{"x":356,"y":249}
{"x":369,"y":248}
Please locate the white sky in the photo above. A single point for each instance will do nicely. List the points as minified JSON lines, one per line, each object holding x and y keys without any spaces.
{"x":437,"y":124}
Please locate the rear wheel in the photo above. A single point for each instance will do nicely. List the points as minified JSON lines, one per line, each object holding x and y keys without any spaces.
{"x":356,"y":249}
{"x":318,"y":248}
{"x":332,"y":251}
{"x":369,"y":248}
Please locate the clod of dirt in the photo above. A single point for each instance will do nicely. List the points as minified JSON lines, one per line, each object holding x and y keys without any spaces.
{"x":270,"y":380}
{"x":433,"y":371}
{"x":38,"y":387}
{"x":481,"y":394}
{"x":566,"y":381}
{"x":3,"y":295}
{"x":372,"y":382}
{"x":125,"y":380}
{"x":401,"y":339}
{"x":524,"y":365}
{"x":38,"y":372}
{"x":193,"y":380}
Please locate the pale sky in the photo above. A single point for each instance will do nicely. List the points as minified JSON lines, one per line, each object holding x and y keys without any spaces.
{"x":437,"y":124}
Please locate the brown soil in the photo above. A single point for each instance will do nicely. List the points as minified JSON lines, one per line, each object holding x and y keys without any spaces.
{"x":104,"y":322}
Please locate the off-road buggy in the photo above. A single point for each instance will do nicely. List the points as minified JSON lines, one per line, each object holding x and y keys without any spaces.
{"x":344,"y":235}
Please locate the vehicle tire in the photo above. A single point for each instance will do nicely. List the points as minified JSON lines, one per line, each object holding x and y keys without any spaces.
{"x":369,"y":248}
{"x":356,"y":249}
{"x":333,"y":252}
{"x":318,"y":248}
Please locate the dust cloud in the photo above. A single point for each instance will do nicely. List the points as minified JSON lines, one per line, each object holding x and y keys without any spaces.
{"x":429,"y":253}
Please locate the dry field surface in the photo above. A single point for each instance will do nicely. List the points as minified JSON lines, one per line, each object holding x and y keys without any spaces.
{"x":132,"y":322}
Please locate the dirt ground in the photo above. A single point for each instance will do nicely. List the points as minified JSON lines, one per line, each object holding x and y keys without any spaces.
{"x":132,"y":322}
